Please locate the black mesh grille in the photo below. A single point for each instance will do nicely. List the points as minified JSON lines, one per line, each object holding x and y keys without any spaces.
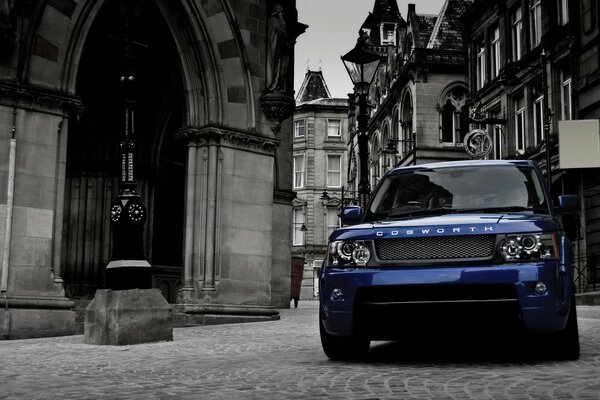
{"x":436,"y":248}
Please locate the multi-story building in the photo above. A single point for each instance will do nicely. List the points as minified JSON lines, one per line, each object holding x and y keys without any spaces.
{"x":211,"y":85}
{"x":420,"y":92}
{"x":534,"y":64}
{"x":319,"y":160}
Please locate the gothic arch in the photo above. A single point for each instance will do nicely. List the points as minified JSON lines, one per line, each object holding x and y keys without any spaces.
{"x":456,"y":93}
{"x":204,"y":76}
{"x":452,"y":106}
{"x":395,"y":132}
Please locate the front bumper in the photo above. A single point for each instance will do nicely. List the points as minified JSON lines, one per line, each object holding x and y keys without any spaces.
{"x":378,"y":298}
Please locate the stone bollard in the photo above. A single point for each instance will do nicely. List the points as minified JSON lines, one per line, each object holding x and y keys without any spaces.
{"x":122,"y":317}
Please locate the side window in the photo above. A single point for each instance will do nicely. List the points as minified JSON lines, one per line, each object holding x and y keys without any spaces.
{"x":299,"y":171}
{"x":298,"y":221}
{"x":517,"y":33}
{"x":334,"y":128}
{"x":520,"y":123}
{"x":299,"y":128}
{"x":334,"y":170}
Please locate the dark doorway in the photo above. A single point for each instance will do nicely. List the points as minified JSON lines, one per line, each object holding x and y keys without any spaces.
{"x":92,"y":171}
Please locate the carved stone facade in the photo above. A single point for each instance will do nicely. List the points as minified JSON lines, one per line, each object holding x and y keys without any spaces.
{"x":514,"y":45}
{"x":420,"y":92}
{"x":213,"y":173}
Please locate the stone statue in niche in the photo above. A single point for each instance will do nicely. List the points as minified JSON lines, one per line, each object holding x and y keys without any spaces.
{"x":278,"y":52}
{"x":7,"y":30}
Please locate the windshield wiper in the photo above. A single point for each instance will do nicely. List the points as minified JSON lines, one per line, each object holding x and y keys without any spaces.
{"x":499,"y":209}
{"x":443,"y":211}
{"x":421,"y":212}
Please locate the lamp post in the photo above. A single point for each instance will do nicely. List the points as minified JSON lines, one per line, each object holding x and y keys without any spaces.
{"x":362,"y":64}
{"x":546,"y":116}
{"x":128,"y":267}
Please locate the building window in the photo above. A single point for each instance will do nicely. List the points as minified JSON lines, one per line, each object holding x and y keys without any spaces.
{"x":299,"y":128}
{"x":496,"y":134}
{"x":334,"y":171}
{"x":299,"y":171}
{"x":495,"y":53}
{"x":448,"y":117}
{"x":563,"y":12}
{"x":480,"y":64}
{"x":588,"y":15}
{"x":454,"y":126}
{"x":520,"y":124}
{"x":298,"y":221}
{"x":497,"y":131}
{"x":332,"y":220}
{"x":388,"y":34}
{"x":334,"y":127}
{"x":565,"y":97}
{"x":538,"y":119}
{"x":535,"y":23}
{"x":517,"y":34}
{"x":406,"y":124}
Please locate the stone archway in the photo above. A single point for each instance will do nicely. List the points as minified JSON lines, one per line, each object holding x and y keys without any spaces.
{"x":92,"y":168}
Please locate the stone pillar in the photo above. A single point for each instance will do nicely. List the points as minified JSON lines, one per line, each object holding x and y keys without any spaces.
{"x":229,"y":222}
{"x":34,"y":303}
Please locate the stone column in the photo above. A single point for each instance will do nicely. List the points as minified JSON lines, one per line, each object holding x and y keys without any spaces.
{"x":229,"y":220}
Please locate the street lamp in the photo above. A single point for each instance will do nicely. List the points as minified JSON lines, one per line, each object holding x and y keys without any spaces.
{"x":128,"y":267}
{"x":361,"y":64}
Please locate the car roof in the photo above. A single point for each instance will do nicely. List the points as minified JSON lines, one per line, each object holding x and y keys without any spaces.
{"x":463,"y":163}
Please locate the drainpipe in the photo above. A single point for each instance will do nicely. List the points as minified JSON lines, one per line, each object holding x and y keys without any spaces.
{"x":8,"y":222}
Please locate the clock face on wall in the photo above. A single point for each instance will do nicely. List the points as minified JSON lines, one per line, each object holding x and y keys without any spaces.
{"x":136,"y":212}
{"x":115,"y":212}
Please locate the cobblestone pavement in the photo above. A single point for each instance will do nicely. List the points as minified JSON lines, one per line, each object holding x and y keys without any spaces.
{"x":283,"y":360}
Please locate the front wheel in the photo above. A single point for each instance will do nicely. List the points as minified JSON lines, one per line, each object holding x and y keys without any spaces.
{"x":567,"y":340}
{"x":343,"y":348}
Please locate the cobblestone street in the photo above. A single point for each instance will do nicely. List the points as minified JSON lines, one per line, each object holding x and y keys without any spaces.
{"x":283,"y":360}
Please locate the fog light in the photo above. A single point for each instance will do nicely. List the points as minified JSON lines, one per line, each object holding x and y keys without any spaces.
{"x":336,"y":295}
{"x":540,"y":288}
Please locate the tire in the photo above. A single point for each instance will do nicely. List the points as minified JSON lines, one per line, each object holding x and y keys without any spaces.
{"x":343,"y":348}
{"x":567,"y":341}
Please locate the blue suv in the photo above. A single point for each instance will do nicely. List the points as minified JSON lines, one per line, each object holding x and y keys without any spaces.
{"x":456,"y":244}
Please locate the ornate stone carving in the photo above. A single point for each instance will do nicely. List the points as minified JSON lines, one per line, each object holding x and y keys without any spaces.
{"x":39,"y":99}
{"x":281,"y":196}
{"x":277,"y":106}
{"x":200,"y":136}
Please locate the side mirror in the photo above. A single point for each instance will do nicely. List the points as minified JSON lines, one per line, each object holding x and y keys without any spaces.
{"x":351,"y":215}
{"x":568,"y":204}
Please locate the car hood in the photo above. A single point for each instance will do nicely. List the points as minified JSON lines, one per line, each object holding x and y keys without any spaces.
{"x":449,"y":225}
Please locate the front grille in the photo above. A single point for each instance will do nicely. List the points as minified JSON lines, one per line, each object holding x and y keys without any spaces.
{"x":435,"y":293}
{"x":436,"y":248}
{"x":388,"y":312}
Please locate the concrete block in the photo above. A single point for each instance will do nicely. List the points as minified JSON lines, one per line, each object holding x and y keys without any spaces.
{"x":123,"y":317}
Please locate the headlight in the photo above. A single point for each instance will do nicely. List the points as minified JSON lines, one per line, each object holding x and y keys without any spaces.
{"x":349,"y":253}
{"x":529,"y":246}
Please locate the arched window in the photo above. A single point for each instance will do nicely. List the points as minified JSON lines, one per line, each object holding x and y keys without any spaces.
{"x":454,"y":122}
{"x":395,"y":124}
{"x":448,"y":123}
{"x":408,"y":47}
{"x":384,"y":158}
{"x":375,"y":163}
{"x":406,"y":122}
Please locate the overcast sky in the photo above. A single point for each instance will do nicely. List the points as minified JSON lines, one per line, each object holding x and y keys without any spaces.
{"x":333,"y":30}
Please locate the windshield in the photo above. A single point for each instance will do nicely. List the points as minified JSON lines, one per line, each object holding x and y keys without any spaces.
{"x":493,"y":188}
